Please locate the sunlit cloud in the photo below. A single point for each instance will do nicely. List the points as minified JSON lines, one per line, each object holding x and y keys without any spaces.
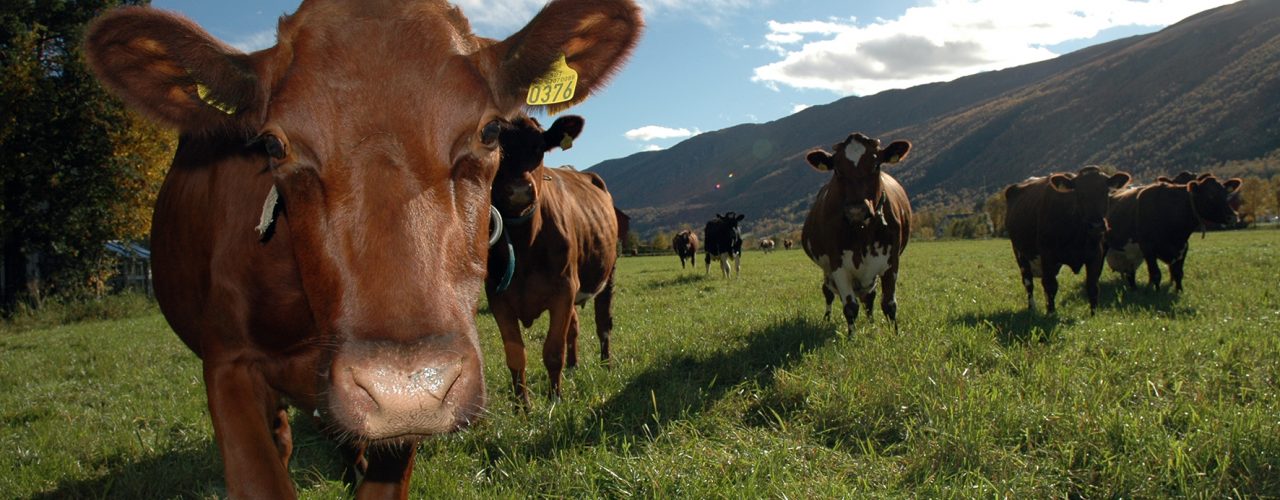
{"x":946,"y":40}
{"x":655,"y":132}
{"x":256,"y":41}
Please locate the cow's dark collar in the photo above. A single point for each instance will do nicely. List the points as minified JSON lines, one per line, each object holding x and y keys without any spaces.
{"x":522,"y":218}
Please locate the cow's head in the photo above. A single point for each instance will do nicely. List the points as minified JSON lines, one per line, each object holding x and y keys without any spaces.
{"x":378,"y":122}
{"x":1214,"y":201}
{"x":856,"y":181}
{"x":1183,"y":177}
{"x":1090,"y":191}
{"x":515,"y":191}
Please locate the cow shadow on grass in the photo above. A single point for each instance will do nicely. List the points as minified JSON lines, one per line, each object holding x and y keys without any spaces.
{"x":195,"y":470}
{"x":680,"y":388}
{"x":1117,"y":295}
{"x":676,"y":281}
{"x":1014,"y":327}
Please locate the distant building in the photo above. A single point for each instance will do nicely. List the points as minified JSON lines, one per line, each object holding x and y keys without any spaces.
{"x":133,"y":266}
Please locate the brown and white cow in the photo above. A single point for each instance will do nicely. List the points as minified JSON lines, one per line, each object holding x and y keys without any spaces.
{"x":1155,"y":222}
{"x":767,"y":244}
{"x":788,"y":243}
{"x":563,"y":230}
{"x":371,"y":131}
{"x":685,"y":243}
{"x":1060,"y":220}
{"x":859,"y":225}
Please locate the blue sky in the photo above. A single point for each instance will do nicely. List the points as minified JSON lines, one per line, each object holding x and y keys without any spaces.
{"x":711,"y":64}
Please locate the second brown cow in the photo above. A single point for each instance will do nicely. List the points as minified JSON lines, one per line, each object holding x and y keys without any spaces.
{"x":1060,"y":220}
{"x":563,"y":232}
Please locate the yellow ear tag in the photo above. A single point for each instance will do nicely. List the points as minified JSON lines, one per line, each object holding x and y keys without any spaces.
{"x":567,"y":142}
{"x":203,"y":92}
{"x":556,"y":86}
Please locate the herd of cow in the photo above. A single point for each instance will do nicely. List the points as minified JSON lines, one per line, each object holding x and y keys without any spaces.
{"x":382,"y":153}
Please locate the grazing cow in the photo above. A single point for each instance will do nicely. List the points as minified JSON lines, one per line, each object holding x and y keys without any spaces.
{"x":371,"y":130}
{"x":1156,"y":221}
{"x":724,"y":242}
{"x":685,"y":243}
{"x":563,"y":230}
{"x":859,"y":225}
{"x":788,"y":243}
{"x":1060,"y":220}
{"x":766,"y":245}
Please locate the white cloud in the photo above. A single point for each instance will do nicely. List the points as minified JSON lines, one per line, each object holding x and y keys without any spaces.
{"x":256,"y":41}
{"x":653,"y":132}
{"x":500,"y":18}
{"x":796,"y":108}
{"x":652,"y":147}
{"x":946,"y":40}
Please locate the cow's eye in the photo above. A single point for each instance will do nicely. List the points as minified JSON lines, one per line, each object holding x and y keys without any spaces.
{"x":489,"y":134}
{"x":273,"y":145}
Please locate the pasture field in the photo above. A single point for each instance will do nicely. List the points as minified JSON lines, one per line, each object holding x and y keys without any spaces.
{"x":738,"y":388}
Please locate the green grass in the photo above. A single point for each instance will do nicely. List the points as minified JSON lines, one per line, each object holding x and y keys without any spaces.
{"x":738,"y":388}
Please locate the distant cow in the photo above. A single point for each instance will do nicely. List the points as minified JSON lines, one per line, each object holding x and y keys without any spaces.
{"x":1156,"y":221}
{"x":767,"y":245}
{"x":859,"y":225}
{"x":723,"y":242}
{"x":1060,"y":220}
{"x":685,"y":244}
{"x":362,"y":146}
{"x":563,"y":230}
{"x":788,"y":243}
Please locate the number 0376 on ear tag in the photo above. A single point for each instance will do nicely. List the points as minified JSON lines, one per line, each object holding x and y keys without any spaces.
{"x":556,"y":86}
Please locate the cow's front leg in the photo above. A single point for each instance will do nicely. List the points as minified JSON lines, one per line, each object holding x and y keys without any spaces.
{"x":571,"y":342}
{"x":513,"y":347}
{"x":243,"y":409}
{"x":387,"y":472}
{"x":1153,"y":270}
{"x":604,"y":316}
{"x":1175,"y":268}
{"x":563,"y":314}
{"x":830,"y":296}
{"x":1028,"y":281}
{"x":1049,"y":279}
{"x":889,"y":300}
{"x":1092,"y":274}
{"x":737,"y":263}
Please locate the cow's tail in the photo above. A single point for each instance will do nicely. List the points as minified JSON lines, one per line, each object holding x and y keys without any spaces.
{"x":604,"y":314}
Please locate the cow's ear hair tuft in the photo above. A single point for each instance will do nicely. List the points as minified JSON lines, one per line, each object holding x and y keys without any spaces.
{"x":1119,"y":180}
{"x":1062,"y":183}
{"x":820,"y":160}
{"x":562,"y":132}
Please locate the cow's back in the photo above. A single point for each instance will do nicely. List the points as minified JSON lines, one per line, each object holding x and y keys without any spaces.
{"x":579,"y":208}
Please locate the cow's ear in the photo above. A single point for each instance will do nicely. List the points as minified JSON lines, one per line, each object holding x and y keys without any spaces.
{"x":820,"y":160}
{"x":896,"y":151}
{"x":594,"y":38}
{"x":168,"y":68}
{"x":1119,"y":180}
{"x":739,"y":217}
{"x":1164,"y":179}
{"x":562,"y":132}
{"x":1233,"y":184}
{"x":1062,"y":182}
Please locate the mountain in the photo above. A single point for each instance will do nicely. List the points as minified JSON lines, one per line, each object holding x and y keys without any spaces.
{"x":1197,"y":94}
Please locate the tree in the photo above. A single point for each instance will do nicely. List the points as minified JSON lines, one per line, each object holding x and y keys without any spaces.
{"x":79,"y":169}
{"x":996,"y":208}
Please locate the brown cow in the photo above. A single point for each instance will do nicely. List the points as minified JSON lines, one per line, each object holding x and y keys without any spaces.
{"x":859,"y":225}
{"x":1156,"y":221}
{"x":685,"y":243}
{"x":788,"y":243}
{"x":371,"y":129}
{"x":1060,"y":220}
{"x":564,"y":234}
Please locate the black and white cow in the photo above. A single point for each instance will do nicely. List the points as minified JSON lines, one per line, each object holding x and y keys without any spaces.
{"x":723,"y":241}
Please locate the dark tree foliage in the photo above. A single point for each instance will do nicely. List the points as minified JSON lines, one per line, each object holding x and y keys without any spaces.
{"x":78,"y":169}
